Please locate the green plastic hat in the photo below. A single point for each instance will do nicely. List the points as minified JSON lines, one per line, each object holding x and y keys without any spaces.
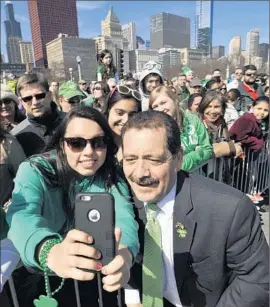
{"x":70,"y":89}
{"x":186,"y":70}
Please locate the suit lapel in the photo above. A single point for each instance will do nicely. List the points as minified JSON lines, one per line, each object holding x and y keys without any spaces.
{"x":182,"y":207}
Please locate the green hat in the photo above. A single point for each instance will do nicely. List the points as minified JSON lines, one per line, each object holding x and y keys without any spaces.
{"x":186,"y":70}
{"x":70,"y":89}
{"x":174,"y":79}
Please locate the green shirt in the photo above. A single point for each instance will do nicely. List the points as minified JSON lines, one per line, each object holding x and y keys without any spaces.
{"x":195,"y":142}
{"x":36,"y":211}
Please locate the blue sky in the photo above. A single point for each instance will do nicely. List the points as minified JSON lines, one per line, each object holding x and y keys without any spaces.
{"x":230,"y":17}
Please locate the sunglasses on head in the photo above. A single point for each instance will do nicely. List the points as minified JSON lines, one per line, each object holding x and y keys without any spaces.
{"x":37,"y":96}
{"x":125,"y":90}
{"x":78,"y":144}
{"x":75,"y":100}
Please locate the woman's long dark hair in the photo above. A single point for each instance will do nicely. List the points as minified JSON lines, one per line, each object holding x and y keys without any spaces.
{"x":64,"y":174}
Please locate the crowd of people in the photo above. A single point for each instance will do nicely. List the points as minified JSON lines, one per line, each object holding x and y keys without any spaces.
{"x":182,"y":239}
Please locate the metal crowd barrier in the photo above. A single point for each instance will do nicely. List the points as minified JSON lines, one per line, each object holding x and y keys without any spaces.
{"x":249,"y":174}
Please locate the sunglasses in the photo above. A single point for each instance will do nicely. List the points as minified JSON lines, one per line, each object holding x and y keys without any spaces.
{"x":75,"y":100}
{"x":78,"y":144}
{"x":252,"y":74}
{"x":125,"y":90}
{"x":37,"y":96}
{"x":6,"y":101}
{"x":150,"y":66}
{"x":82,"y":83}
{"x":223,"y":89}
{"x":98,"y":88}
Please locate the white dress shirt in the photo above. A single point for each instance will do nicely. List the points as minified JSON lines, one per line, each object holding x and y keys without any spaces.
{"x":165,"y":219}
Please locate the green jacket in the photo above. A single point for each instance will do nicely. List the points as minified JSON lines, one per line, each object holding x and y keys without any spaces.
{"x":195,"y":142}
{"x":36,"y":211}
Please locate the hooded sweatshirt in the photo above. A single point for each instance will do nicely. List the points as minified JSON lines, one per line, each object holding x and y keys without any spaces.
{"x":144,"y":74}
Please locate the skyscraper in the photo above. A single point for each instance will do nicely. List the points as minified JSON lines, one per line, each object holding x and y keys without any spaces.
{"x":218,"y":52}
{"x":204,"y":26}
{"x":129,"y":32}
{"x":168,"y":30}
{"x":48,"y":18}
{"x":235,"y":46}
{"x":253,"y":38}
{"x":264,"y":51}
{"x":13,"y":35}
{"x":26,"y":50}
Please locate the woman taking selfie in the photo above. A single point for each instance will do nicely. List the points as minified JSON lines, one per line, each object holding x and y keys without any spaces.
{"x":106,"y":68}
{"x":194,"y":137}
{"x":80,"y":159}
{"x":122,"y":104}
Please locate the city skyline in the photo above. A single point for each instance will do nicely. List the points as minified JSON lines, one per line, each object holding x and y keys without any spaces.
{"x":227,"y":22}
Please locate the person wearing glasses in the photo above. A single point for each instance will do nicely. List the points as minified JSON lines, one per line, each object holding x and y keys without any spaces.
{"x":79,"y":158}
{"x":249,"y":89}
{"x":101,"y":91}
{"x":123,"y":103}
{"x":150,"y":79}
{"x":10,"y":114}
{"x":70,"y":95}
{"x":43,"y":117}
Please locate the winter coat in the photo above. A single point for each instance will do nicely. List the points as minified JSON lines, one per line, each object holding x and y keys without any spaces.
{"x":34,"y":133}
{"x":145,"y":95}
{"x":246,"y":100}
{"x":36,"y":209}
{"x":247,"y":130}
{"x":195,"y":142}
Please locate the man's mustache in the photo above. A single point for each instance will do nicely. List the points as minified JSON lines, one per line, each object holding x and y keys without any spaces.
{"x":144,"y":180}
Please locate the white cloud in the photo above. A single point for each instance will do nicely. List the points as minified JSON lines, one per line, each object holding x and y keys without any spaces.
{"x":21,"y":18}
{"x":90,"y":5}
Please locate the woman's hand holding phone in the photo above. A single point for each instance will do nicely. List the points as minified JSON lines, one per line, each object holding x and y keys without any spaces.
{"x":68,"y":258}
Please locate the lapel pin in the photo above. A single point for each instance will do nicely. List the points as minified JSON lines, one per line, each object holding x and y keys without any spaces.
{"x":181,"y":230}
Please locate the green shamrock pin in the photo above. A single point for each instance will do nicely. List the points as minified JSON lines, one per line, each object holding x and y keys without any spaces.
{"x":181,"y":230}
{"x":45,"y":301}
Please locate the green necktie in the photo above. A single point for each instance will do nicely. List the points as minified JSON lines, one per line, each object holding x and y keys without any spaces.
{"x":152,"y":260}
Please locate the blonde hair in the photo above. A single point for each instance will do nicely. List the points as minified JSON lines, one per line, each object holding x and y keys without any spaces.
{"x":169,"y":93}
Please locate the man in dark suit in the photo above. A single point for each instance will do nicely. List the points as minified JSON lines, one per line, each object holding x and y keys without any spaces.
{"x":212,"y":248}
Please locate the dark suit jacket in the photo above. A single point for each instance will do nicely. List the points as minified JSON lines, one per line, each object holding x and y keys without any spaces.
{"x":223,"y":260}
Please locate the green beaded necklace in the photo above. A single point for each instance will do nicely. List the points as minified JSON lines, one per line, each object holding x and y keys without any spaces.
{"x":48,"y":301}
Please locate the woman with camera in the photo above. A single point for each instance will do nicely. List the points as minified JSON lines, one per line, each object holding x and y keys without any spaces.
{"x":80,"y":158}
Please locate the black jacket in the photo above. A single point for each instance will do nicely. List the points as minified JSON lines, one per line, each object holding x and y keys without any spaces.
{"x":246,"y":100}
{"x":34,"y":133}
{"x":223,"y":260}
